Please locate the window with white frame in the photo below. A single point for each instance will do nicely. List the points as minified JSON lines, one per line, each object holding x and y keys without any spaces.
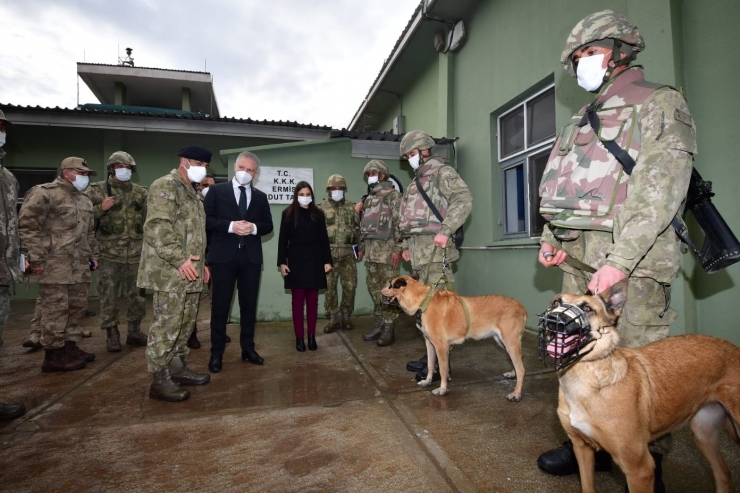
{"x":526,"y":133}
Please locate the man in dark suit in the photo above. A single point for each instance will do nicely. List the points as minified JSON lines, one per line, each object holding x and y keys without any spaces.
{"x":237,"y":215}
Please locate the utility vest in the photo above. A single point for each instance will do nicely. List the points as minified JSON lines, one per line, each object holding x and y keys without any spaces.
{"x":377,"y":217}
{"x":416,"y":216}
{"x":126,"y":218}
{"x":340,"y":222}
{"x":583,"y":184}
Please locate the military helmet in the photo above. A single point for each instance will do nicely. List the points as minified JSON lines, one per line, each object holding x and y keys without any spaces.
{"x":336,"y":181}
{"x":121,"y":157}
{"x":601,"y":26}
{"x":8,"y":123}
{"x":376,"y":165}
{"x":416,"y":139}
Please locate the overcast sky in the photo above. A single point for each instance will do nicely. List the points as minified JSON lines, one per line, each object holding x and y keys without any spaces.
{"x":310,"y":61}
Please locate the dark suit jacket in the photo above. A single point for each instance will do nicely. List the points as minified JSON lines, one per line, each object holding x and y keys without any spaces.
{"x":222,"y":208}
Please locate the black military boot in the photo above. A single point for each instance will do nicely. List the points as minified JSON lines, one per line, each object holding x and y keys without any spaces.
{"x":135,"y":336}
{"x":300,"y":344}
{"x":417,"y":365}
{"x":346,"y":322}
{"x":11,"y":411}
{"x":333,"y":324}
{"x":193,"y":342}
{"x":377,"y":329}
{"x":72,"y":348}
{"x":387,"y":337}
{"x":58,"y":359}
{"x":164,"y":389}
{"x":113,"y":343}
{"x":658,"y":486}
{"x":562,"y":461}
{"x":185,"y":376}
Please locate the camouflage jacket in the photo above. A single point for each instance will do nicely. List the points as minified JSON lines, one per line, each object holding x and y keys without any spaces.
{"x":341,"y":227}
{"x":585,"y":187}
{"x":175,"y":228}
{"x":379,"y":233}
{"x":57,"y":231}
{"x":10,"y":272}
{"x":120,"y":229}
{"x":418,"y":224}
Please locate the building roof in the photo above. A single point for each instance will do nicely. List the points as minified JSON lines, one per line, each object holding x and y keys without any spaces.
{"x":153,"y":87}
{"x":160,"y":120}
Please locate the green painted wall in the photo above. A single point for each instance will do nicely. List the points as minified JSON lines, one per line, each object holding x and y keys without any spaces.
{"x":420,"y":103}
{"x":325,"y":157}
{"x":502,"y":59}
{"x":155,"y":154}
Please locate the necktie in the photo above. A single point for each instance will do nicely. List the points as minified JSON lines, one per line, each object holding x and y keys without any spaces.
{"x":242,"y":212}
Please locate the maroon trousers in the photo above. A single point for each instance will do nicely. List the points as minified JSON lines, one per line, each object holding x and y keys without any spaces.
{"x":309,"y":298}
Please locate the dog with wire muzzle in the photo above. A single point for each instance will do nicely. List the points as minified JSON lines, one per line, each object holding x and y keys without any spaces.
{"x":619,"y":399}
{"x":448,"y":318}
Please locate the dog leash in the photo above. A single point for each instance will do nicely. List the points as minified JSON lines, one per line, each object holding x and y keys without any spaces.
{"x":573,"y":262}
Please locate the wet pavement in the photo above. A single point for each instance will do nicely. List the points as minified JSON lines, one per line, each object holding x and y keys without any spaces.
{"x":347,"y":417}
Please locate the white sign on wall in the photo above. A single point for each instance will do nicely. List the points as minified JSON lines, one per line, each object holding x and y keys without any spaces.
{"x":278,"y":183}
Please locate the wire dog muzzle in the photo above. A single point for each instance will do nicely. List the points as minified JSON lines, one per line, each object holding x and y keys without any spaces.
{"x":389,"y":300}
{"x":564,"y":330}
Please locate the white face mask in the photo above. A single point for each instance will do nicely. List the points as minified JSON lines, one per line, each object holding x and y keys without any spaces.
{"x":204,"y":192}
{"x":81,"y":182}
{"x":372,"y":180}
{"x":243,"y":177}
{"x":414,"y":161}
{"x":304,"y":201}
{"x":590,"y":72}
{"x":2,"y":138}
{"x":123,"y":174}
{"x":337,"y":195}
{"x":196,"y":173}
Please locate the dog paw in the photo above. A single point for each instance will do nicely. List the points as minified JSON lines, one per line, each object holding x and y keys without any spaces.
{"x":425,"y":383}
{"x":514,"y":397}
{"x":510,"y":374}
{"x":439,"y":392}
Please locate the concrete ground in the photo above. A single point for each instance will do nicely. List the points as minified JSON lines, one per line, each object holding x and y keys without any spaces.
{"x":347,"y":417}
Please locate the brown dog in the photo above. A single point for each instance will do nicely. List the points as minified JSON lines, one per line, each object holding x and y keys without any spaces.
{"x":620,"y":399}
{"x":445,"y":322}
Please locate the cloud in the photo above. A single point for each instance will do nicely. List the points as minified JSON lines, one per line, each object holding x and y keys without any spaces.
{"x":311,"y":62}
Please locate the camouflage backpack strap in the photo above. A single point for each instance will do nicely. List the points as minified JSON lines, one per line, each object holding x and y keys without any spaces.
{"x":628,"y":164}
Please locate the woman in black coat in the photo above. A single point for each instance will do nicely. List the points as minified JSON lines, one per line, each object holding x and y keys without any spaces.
{"x":304,"y":259}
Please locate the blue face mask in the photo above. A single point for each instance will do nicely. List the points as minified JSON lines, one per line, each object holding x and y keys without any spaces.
{"x":2,"y":138}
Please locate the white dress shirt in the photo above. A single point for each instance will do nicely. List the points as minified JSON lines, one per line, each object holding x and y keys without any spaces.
{"x":237,"y":194}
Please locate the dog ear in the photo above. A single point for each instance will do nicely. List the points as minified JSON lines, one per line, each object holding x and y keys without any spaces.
{"x":399,"y":283}
{"x":615,"y":297}
{"x":415,"y":276}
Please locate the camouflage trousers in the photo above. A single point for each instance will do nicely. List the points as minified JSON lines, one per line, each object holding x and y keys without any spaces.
{"x":74,"y":333}
{"x":61,"y":312}
{"x":432,"y":272}
{"x":345,"y":271}
{"x":172,"y":324}
{"x":112,"y":278}
{"x":377,"y":278}
{"x":646,"y":316}
{"x":4,"y":309}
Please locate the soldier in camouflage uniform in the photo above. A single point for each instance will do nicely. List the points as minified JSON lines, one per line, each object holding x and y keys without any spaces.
{"x":120,"y":209}
{"x":427,"y":241}
{"x":618,"y":223}
{"x":57,"y":233}
{"x":10,"y":271}
{"x":173,"y":265}
{"x":343,"y":233}
{"x":380,"y":246}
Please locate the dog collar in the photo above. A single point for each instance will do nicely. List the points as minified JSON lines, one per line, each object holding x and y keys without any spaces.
{"x":425,"y":303}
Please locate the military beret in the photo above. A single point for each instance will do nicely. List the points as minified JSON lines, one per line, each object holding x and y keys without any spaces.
{"x":196,"y":152}
{"x":77,"y":163}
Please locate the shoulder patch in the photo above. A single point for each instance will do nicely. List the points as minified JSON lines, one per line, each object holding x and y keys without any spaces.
{"x":683,"y":117}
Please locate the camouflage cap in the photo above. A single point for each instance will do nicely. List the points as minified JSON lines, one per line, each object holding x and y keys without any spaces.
{"x":122,"y":158}
{"x":8,"y":123}
{"x":336,"y":181}
{"x":606,"y":24}
{"x":416,"y":139}
{"x":376,"y":165}
{"x":77,"y":163}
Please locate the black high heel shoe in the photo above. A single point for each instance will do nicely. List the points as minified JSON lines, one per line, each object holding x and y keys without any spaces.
{"x":312,"y":343}
{"x":299,"y":344}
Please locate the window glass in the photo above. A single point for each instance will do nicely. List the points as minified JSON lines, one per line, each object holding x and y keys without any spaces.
{"x":512,"y":132}
{"x":541,"y":118}
{"x":536,"y":169}
{"x":514,"y":191}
